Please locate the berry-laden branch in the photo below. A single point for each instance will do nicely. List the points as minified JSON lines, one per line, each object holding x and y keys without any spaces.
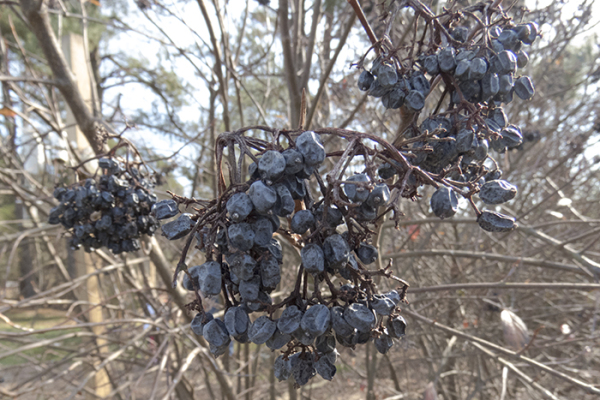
{"x":333,"y":229}
{"x":112,"y":209}
{"x":332,"y":223}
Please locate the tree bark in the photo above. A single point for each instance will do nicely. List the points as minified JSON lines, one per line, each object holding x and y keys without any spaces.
{"x":36,"y":13}
{"x":289,"y":64}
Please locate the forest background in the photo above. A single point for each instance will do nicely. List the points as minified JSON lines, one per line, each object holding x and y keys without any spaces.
{"x":172,"y":76}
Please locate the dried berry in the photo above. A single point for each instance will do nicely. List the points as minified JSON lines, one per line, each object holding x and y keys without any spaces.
{"x":383,"y":343}
{"x":396,"y":326}
{"x":447,"y":59}
{"x":289,"y":322}
{"x":282,"y":368}
{"x":215,"y":332}
{"x":386,"y":75}
{"x":379,"y":196}
{"x":271,"y":165}
{"x":357,"y":193}
{"x":164,"y":209}
{"x":365,"y":80}
{"x":444,"y":202}
{"x":367,"y":253}
{"x":336,"y":251}
{"x":309,"y":144}
{"x":313,"y":258}
{"x":261,"y":330}
{"x":178,"y":228}
{"x":302,"y":221}
{"x":316,"y":320}
{"x":209,"y":278}
{"x":241,"y":236}
{"x":360,"y":317}
{"x":263,"y":197}
{"x":495,"y":222}
{"x":497,"y":192}
{"x":199,"y":321}
{"x":236,"y":321}
{"x":325,"y":368}
{"x":294,"y":161}
{"x":524,"y":88}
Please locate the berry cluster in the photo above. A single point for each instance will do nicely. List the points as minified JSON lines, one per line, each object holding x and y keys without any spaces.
{"x":394,"y":88}
{"x":244,"y":262}
{"x":474,"y":72}
{"x":111,"y":211}
{"x":478,"y":69}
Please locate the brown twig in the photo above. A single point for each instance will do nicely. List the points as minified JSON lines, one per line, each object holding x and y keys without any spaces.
{"x":583,"y":385}
{"x":363,"y":20}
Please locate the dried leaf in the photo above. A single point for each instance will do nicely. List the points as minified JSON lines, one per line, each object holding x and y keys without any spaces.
{"x":514,"y":330}
{"x":7,"y":112}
